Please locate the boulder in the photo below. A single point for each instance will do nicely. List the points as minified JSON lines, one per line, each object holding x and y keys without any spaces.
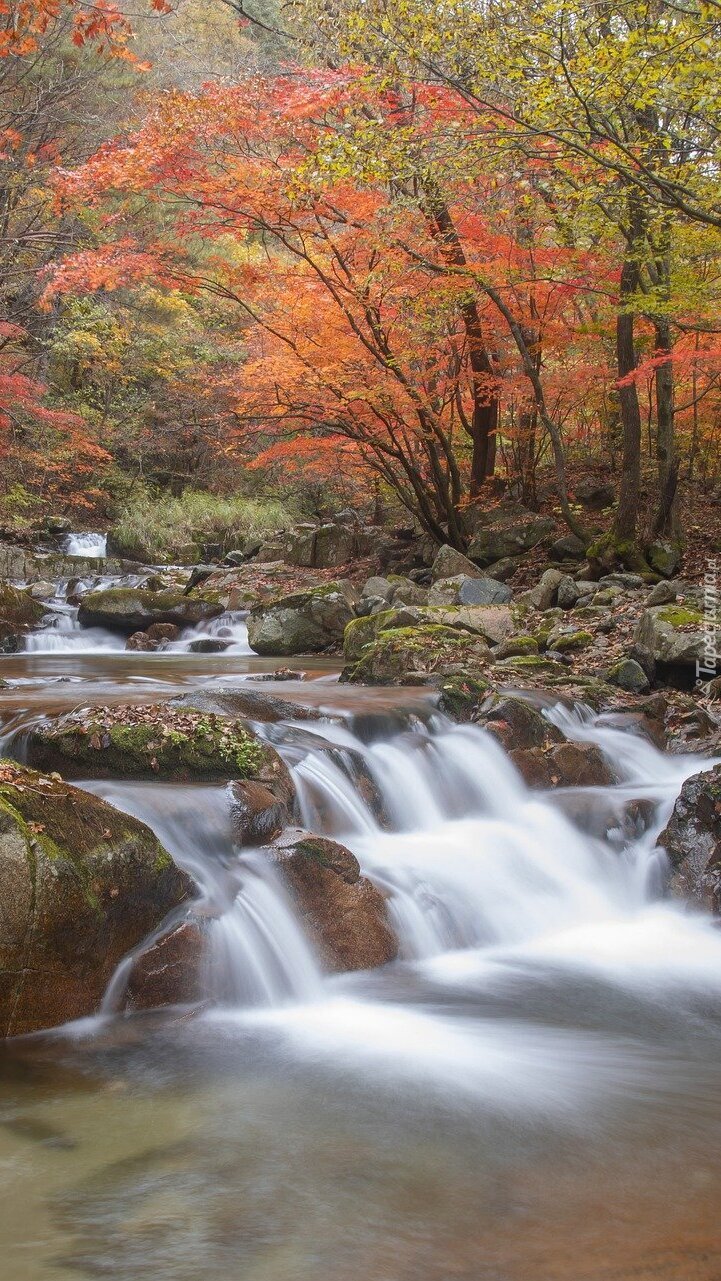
{"x":565,"y":765}
{"x":673,"y":635}
{"x":378,"y":586}
{"x":595,"y":495}
{"x":509,"y":537}
{"x":19,"y":613}
{"x":418,"y":655}
{"x":244,"y":701}
{"x":342,"y":911}
{"x":141,"y":643}
{"x":543,"y":595}
{"x":449,"y":563}
{"x":571,"y":591}
{"x":258,"y":814}
{"x":304,"y":623}
{"x":462,"y":590}
{"x":566,"y":640}
{"x":170,"y":971}
{"x":133,"y":609}
{"x":502,"y":570}
{"x":406,"y":592}
{"x":569,"y":547}
{"x":664,"y":556}
{"x":628,"y":675}
{"x":517,"y":723}
{"x":18,"y":564}
{"x":43,"y":589}
{"x":81,"y":884}
{"x":162,"y":741}
{"x":325,"y":546}
{"x":692,"y":840}
{"x":662,"y":594}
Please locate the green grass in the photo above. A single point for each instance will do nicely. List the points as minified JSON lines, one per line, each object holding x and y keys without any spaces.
{"x":163,"y":529}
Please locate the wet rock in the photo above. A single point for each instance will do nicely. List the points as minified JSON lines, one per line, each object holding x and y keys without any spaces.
{"x":19,"y":613}
{"x":209,"y":645}
{"x":253,"y":704}
{"x":343,"y":912}
{"x":628,"y":675}
{"x":303,"y":623}
{"x":140,"y":642}
{"x":449,"y":563}
{"x":171,"y":971}
{"x":565,"y":765}
{"x":81,"y":884}
{"x":416,"y":654}
{"x":517,"y":724}
{"x":164,"y":632}
{"x":43,"y":589}
{"x":132,"y":609}
{"x":692,"y":841}
{"x":258,"y":814}
{"x":178,"y":744}
{"x":509,"y":537}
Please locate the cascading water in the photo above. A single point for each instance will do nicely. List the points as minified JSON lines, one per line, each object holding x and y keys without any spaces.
{"x":86,"y":545}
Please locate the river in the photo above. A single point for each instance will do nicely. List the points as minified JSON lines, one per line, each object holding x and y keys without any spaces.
{"x":532,"y":1092}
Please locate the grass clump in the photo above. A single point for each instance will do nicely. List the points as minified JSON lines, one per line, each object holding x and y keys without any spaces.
{"x":163,"y":529}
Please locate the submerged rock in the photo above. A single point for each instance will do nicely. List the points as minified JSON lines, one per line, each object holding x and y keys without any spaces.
{"x":342,"y":911}
{"x":81,"y":884}
{"x":135,"y":609}
{"x":306,"y":622}
{"x":159,"y":741}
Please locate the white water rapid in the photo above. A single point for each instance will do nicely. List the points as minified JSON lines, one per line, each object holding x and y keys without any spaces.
{"x":86,"y":545}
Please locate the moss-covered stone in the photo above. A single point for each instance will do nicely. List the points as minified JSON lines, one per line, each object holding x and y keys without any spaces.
{"x":403,"y":652}
{"x":178,"y":744}
{"x":515,"y":646}
{"x":360,"y":632}
{"x":460,"y":695}
{"x":572,"y":641}
{"x":81,"y":884}
{"x":134,"y":609}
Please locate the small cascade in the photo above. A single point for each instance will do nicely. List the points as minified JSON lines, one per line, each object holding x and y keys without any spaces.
{"x":87,"y":545}
{"x":227,"y":634}
{"x":257,"y":952}
{"x":61,"y":633}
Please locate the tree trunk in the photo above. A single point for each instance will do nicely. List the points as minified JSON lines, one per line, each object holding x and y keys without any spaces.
{"x":626,"y":522}
{"x":665,"y":521}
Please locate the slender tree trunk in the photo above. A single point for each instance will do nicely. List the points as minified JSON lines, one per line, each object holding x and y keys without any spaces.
{"x":665,"y":521}
{"x":626,"y":522}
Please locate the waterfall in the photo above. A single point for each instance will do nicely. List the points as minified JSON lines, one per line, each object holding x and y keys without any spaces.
{"x":474,"y":866}
{"x":87,"y":545}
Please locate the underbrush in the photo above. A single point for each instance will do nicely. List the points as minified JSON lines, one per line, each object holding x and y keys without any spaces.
{"x":158,"y":528}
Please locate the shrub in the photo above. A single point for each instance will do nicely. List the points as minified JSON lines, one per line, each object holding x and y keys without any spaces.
{"x":161,"y":528}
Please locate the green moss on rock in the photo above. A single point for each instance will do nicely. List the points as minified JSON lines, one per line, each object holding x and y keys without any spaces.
{"x":140,"y":742}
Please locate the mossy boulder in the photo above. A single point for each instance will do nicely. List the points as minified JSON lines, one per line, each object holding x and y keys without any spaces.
{"x":19,"y":612}
{"x":403,"y":655}
{"x":81,"y":884}
{"x":509,"y":537}
{"x":673,"y":635}
{"x":664,"y":556}
{"x":569,"y":642}
{"x":517,"y":723}
{"x":461,"y":695}
{"x":135,"y":609}
{"x":177,"y":744}
{"x":306,"y":622}
{"x":628,"y":675}
{"x":342,"y":911}
{"x":515,"y":646}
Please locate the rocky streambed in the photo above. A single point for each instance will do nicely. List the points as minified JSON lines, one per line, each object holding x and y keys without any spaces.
{"x":419,"y":963}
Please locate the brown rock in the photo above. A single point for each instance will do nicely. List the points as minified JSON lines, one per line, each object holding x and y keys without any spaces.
{"x":170,"y":971}
{"x":343,"y":911}
{"x":163,"y":631}
{"x":692,"y":840}
{"x":141,"y":642}
{"x":258,"y":814}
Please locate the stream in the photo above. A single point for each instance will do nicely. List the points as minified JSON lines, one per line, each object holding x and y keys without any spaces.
{"x":532,"y":1092}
